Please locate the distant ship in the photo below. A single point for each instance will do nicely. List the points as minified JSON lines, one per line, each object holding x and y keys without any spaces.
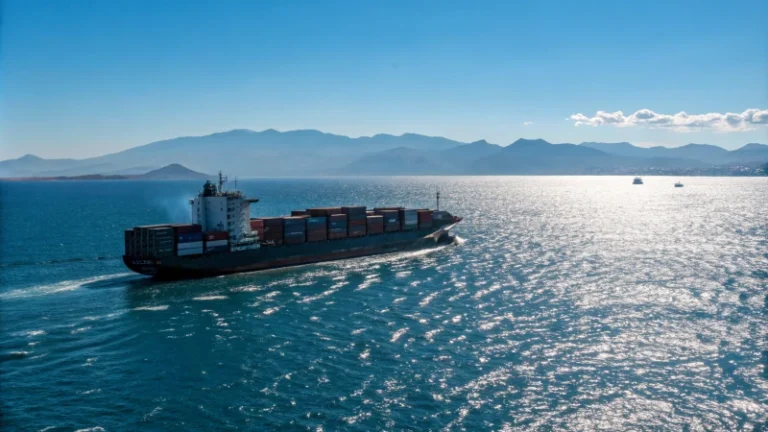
{"x":678,"y":184}
{"x":223,"y":238}
{"x":637,"y":181}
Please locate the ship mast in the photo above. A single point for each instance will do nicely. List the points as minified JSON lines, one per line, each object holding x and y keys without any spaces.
{"x":438,"y":200}
{"x":222,"y":180}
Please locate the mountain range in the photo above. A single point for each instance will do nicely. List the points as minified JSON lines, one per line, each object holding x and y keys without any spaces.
{"x":269,"y":153}
{"x":170,"y":172}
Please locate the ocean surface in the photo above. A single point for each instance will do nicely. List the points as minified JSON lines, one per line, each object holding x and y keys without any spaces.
{"x":567,"y":303}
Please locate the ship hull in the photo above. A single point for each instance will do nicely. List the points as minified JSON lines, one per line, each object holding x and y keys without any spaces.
{"x":269,"y":257}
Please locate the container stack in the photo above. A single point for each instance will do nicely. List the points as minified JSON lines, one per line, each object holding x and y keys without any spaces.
{"x":160,"y":241}
{"x":189,"y":243}
{"x":273,"y":231}
{"x":295,"y":229}
{"x":409,"y":219}
{"x":337,"y":226}
{"x":216,"y":241}
{"x":375,"y":224}
{"x":323,"y":211}
{"x":425,"y":219}
{"x":391,"y":219}
{"x":257,"y":226}
{"x":356,"y":220}
{"x":317,"y":229}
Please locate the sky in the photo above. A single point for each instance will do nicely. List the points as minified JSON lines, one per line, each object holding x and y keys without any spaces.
{"x":86,"y":78}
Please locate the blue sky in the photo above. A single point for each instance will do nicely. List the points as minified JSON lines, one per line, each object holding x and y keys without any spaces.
{"x":84,"y":78}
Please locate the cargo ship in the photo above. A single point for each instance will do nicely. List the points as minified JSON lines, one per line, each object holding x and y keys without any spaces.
{"x":223,"y":238}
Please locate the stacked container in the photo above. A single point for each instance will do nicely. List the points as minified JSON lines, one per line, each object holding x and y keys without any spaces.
{"x":317,"y":229}
{"x":299,"y":213}
{"x":295,"y":229}
{"x":425,"y":219}
{"x":273,"y":231}
{"x":160,"y":241}
{"x":409,"y":219}
{"x":391,"y":219}
{"x":356,"y":220}
{"x":257,"y":226}
{"x":216,"y":241}
{"x":189,"y":243}
{"x":337,"y":226}
{"x":375,"y":224}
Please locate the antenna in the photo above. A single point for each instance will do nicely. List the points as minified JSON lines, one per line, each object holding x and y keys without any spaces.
{"x":438,"y":199}
{"x":222,"y":180}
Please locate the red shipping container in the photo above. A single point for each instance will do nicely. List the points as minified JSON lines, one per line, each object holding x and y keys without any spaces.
{"x":317,"y":235}
{"x":323,"y":211}
{"x":216,"y":235}
{"x":187,"y":228}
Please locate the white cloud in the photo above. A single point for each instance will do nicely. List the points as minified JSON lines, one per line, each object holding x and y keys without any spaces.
{"x":681,"y":122}
{"x":527,"y":123}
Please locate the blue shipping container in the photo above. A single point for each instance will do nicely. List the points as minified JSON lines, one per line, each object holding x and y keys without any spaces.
{"x":190,"y":237}
{"x":316,"y":221}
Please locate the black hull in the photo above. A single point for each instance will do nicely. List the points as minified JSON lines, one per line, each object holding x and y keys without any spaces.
{"x":270,"y":257}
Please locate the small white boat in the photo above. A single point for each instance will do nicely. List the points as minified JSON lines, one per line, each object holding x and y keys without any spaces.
{"x":678,"y":184}
{"x":637,"y":180}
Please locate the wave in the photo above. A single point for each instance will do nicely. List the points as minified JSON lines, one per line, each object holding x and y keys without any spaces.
{"x":151,"y":308}
{"x":211,"y":297}
{"x":59,"y":287}
{"x":57,"y":261}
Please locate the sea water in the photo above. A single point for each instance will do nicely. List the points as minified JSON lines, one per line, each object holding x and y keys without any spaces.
{"x":577,"y":303}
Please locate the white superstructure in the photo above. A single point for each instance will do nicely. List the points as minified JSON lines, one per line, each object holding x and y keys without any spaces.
{"x":217,"y":210}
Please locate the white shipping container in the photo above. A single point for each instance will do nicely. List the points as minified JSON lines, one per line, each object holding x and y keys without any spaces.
{"x":185,"y":252}
{"x":190,"y":245}
{"x":216,"y":243}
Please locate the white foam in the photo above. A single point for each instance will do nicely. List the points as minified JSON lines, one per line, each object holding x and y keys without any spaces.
{"x":211,"y":297}
{"x":58,"y":287}
{"x":151,"y":308}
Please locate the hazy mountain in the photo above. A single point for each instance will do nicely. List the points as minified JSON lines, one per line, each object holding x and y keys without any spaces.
{"x":239,"y":152}
{"x":174,"y":172}
{"x":247,"y":153}
{"x":706,"y":153}
{"x":537,"y":156}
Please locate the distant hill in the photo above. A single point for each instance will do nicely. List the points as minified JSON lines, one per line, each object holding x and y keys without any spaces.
{"x":170,"y":172}
{"x":706,"y":153}
{"x":247,"y":153}
{"x":238,"y":152}
{"x":174,"y":172}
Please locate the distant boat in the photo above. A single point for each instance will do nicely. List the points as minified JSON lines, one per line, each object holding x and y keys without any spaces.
{"x":637,"y":180}
{"x":678,"y":184}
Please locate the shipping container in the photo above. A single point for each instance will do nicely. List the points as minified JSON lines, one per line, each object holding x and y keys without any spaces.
{"x":323,"y":211}
{"x":216,"y":235}
{"x":190,"y":245}
{"x":186,"y":228}
{"x":257,"y":226}
{"x":356,"y":231}
{"x":190,"y":237}
{"x":317,"y":235}
{"x":215,"y":243}
{"x":299,"y":213}
{"x":187,"y":252}
{"x":425,"y":219}
{"x":316,"y":222}
{"x":355,"y":211}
